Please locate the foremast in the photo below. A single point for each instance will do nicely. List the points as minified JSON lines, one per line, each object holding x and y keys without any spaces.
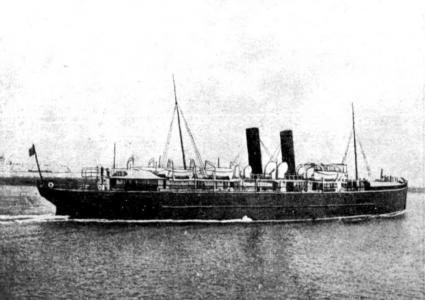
{"x":178,"y":121}
{"x":181,"y":119}
{"x":355,"y":144}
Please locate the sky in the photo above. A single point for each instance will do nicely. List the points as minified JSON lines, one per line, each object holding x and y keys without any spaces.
{"x":77,"y":76}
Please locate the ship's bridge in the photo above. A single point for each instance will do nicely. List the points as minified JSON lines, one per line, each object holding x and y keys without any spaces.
{"x":135,"y":179}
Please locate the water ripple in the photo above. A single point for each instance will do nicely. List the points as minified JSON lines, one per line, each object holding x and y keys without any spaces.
{"x":47,"y":257}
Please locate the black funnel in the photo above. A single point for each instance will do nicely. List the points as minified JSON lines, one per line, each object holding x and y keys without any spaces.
{"x":287,"y":147}
{"x":254,"y":150}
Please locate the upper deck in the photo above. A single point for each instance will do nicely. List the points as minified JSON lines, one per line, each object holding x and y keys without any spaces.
{"x":147,"y":180}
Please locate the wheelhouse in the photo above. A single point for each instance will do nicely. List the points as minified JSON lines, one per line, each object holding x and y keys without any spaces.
{"x":135,"y":180}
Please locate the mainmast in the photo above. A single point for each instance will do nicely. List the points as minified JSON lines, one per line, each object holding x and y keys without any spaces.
{"x":178,"y":121}
{"x":355,"y":146}
{"x":115,"y":152}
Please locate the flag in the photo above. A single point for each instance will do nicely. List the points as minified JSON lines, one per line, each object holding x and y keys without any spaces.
{"x":31,"y":150}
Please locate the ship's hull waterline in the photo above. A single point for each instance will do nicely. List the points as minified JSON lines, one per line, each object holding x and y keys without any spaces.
{"x":192,"y":206}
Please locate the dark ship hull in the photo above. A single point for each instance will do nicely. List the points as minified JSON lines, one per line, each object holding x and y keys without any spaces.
{"x":192,"y":205}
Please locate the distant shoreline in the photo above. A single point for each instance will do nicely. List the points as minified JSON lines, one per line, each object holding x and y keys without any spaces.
{"x":416,"y":189}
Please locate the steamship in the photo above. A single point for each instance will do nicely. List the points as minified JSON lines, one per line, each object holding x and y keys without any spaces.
{"x":204,"y":191}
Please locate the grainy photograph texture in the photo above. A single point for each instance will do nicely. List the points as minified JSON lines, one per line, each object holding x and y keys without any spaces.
{"x":212,"y":149}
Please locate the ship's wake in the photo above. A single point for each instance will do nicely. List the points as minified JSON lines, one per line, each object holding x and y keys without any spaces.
{"x":20,"y":219}
{"x":244,"y":219}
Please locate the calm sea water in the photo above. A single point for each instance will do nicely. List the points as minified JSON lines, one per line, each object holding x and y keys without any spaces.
{"x":379,"y":259}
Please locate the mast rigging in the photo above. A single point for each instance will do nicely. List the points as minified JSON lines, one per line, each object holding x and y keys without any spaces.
{"x":177,"y":110}
{"x":347,"y":148}
{"x":192,"y":139}
{"x":178,"y":121}
{"x":163,"y":160}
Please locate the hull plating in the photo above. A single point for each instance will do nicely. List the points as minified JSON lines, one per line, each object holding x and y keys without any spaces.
{"x":223,"y":205}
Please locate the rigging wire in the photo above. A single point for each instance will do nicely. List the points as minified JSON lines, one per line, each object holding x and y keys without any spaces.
{"x":265,"y":149}
{"x":236,"y":160}
{"x":167,"y":144}
{"x":197,"y":153}
{"x":276,"y":153}
{"x":369,"y":173}
{"x":347,"y":148}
